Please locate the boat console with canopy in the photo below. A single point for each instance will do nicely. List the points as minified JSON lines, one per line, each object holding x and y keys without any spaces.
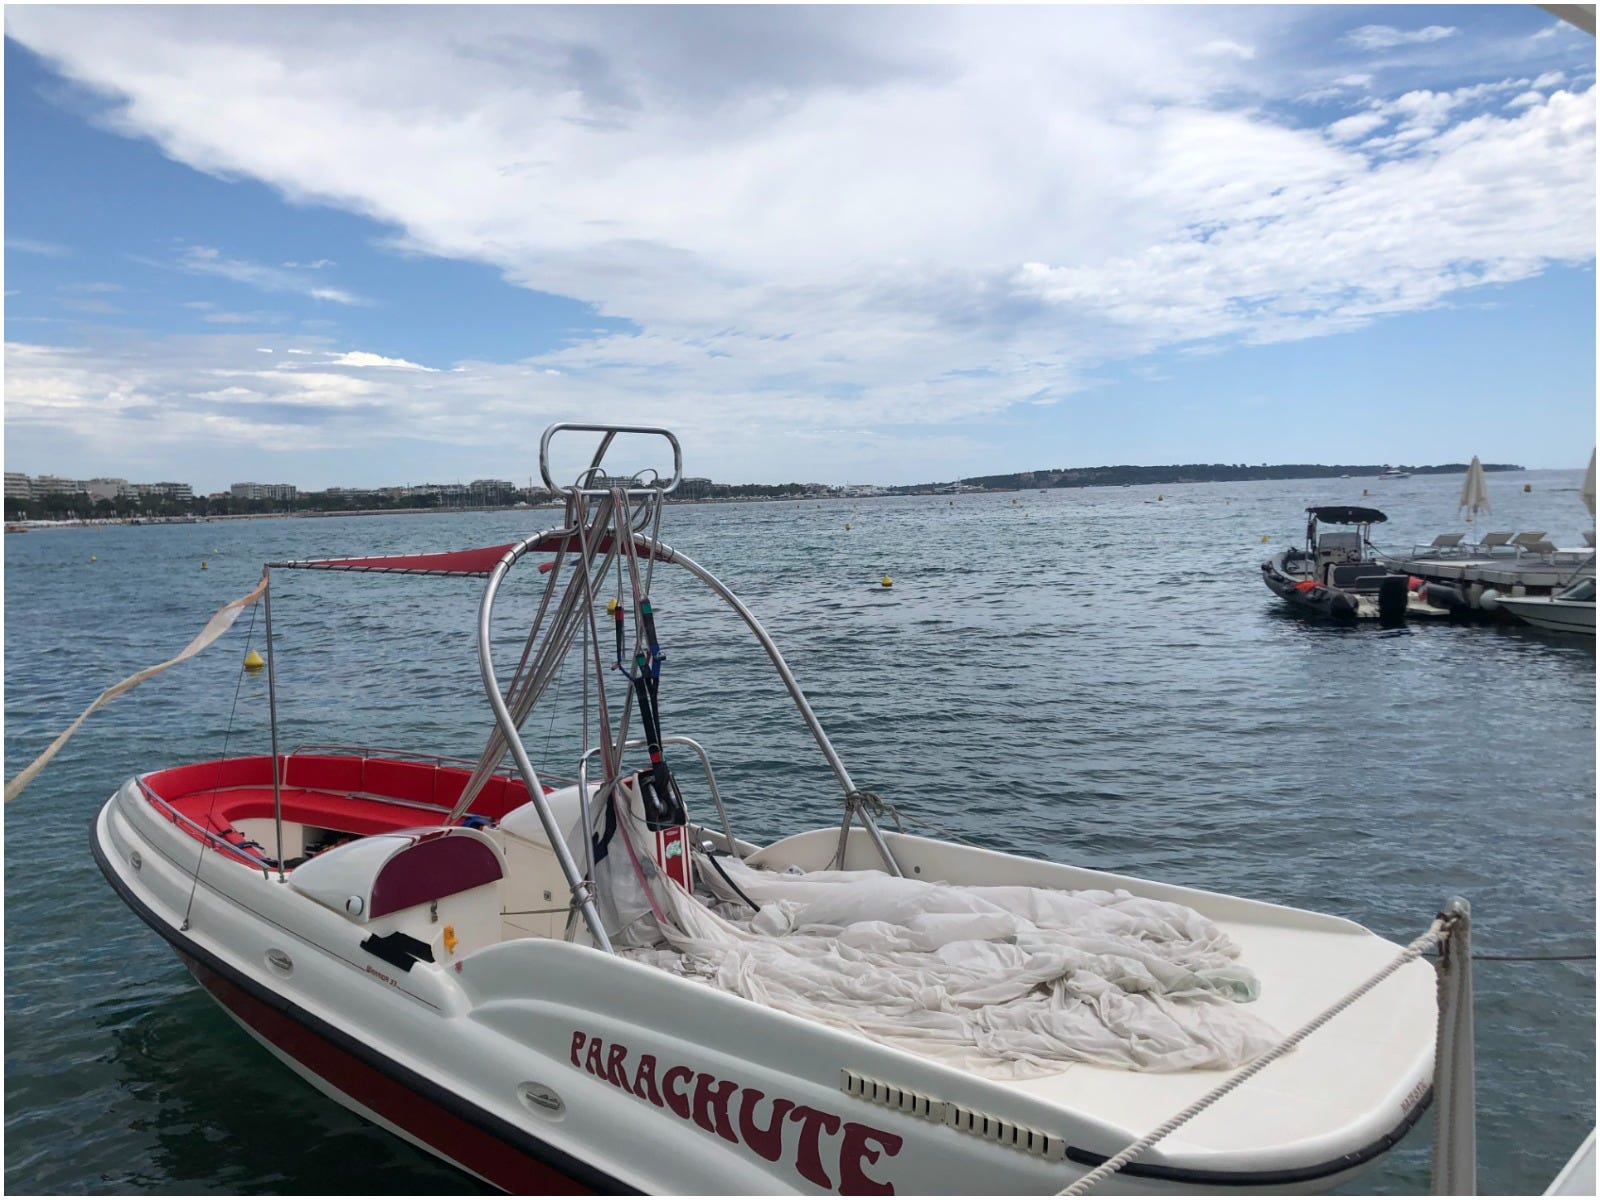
{"x":1339,"y":574}
{"x":589,"y":979}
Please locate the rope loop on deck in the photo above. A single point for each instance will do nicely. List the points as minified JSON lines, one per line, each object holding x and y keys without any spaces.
{"x":1437,"y":933}
{"x":876,"y":805}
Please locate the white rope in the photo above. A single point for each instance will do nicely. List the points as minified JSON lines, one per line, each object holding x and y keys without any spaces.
{"x":1116,"y":1162}
{"x":221,"y":621}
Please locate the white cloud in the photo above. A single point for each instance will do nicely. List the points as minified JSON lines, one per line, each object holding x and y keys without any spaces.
{"x":1550,"y":79}
{"x":1382,"y":37}
{"x":360,"y":358}
{"x":1224,"y":48}
{"x":838,"y":219}
{"x":208,"y":260}
{"x":1525,"y":100}
{"x":1351,"y":128}
{"x":35,"y":246}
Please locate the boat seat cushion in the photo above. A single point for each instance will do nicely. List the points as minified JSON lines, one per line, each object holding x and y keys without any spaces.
{"x":1354,"y":575}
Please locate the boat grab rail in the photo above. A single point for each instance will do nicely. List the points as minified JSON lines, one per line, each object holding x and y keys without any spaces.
{"x":605,"y":789}
{"x":221,"y":843}
{"x":609,"y":432}
{"x":410,"y":756}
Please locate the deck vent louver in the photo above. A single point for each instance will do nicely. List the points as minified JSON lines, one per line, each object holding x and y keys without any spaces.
{"x":943,"y":1112}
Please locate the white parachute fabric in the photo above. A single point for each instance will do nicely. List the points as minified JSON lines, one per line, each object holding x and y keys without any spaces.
{"x":1008,"y":982}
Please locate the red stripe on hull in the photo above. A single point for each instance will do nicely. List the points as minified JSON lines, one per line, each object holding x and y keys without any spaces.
{"x":503,"y":1165}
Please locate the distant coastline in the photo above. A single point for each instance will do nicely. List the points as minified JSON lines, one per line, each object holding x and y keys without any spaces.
{"x":1192,"y":473}
{"x":1120,"y":476}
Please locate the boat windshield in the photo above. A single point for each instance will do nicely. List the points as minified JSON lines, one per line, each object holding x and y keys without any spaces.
{"x":1580,"y":591}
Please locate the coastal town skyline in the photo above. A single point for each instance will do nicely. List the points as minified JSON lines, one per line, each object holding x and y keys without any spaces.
{"x":891,"y":244}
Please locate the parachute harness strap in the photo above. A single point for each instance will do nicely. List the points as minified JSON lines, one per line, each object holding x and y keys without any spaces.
{"x":1436,"y":933}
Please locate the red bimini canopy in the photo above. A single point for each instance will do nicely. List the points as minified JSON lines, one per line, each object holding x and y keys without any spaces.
{"x":479,"y":562}
{"x":452,"y":562}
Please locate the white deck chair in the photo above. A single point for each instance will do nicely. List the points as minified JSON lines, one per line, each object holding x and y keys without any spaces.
{"x":1494,"y":541}
{"x":1440,"y":547}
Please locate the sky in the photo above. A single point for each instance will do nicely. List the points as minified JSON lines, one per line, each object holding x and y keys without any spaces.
{"x":364,"y":246}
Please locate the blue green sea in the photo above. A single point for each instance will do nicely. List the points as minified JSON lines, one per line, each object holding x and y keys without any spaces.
{"x":1096,"y":676}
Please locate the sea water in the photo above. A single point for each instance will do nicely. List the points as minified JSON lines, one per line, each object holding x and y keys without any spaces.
{"x":1095,"y":676}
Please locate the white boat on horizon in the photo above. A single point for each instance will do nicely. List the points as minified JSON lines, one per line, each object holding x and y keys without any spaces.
{"x":561,"y":984}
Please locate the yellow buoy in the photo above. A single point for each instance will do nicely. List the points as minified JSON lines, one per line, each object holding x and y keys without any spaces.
{"x":847,"y":526}
{"x":202,"y":564}
{"x":1265,"y":538}
{"x":887,"y":582}
{"x":611,"y":606}
{"x":92,"y":558}
{"x":254,"y":661}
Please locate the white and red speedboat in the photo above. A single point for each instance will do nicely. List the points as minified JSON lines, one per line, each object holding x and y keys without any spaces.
{"x":581,"y":983}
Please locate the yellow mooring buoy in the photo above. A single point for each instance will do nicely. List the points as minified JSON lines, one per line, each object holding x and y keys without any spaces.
{"x":92,"y":558}
{"x":1265,"y":538}
{"x":254,"y":661}
{"x":887,"y":582}
{"x":202,"y":564}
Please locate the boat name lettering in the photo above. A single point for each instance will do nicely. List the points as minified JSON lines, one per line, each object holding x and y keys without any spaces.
{"x":382,"y":976}
{"x":728,"y":1109}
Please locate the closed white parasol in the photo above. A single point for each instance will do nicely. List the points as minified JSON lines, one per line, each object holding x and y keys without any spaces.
{"x":1474,"y":490}
{"x":1588,"y":485}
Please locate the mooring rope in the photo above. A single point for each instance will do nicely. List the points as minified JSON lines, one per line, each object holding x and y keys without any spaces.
{"x":221,"y":621}
{"x":1116,"y":1162}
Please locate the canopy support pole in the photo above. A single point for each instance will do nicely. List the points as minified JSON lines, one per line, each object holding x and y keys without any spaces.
{"x":272,"y":712}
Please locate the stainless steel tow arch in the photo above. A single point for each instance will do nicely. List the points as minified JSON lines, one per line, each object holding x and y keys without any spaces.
{"x":581,"y":889}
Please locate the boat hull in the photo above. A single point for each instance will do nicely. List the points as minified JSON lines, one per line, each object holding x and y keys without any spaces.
{"x":377,"y":1088}
{"x":1545,"y":612}
{"x":459,"y":1061}
{"x":1305,"y":595}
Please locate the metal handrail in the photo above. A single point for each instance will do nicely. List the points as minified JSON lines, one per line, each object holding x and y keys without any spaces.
{"x":640,"y":744}
{"x":209,"y":835}
{"x":795,"y":693}
{"x":610,"y":432}
{"x":385,"y":751}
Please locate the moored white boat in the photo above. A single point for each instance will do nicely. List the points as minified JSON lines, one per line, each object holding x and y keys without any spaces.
{"x":1568,"y":609}
{"x":558,"y":984}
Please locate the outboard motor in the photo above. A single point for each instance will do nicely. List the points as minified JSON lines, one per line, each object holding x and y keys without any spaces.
{"x":1392,"y":591}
